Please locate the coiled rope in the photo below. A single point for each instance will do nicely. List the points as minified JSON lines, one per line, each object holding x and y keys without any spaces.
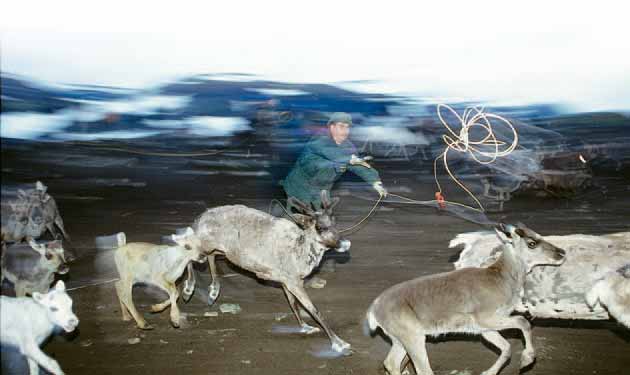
{"x":462,"y":143}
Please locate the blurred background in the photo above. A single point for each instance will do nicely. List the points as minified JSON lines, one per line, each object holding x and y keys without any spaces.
{"x":258,"y":80}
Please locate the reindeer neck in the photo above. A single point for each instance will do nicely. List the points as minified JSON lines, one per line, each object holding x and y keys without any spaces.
{"x":511,"y":266}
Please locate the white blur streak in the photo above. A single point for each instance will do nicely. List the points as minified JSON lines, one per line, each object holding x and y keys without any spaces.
{"x":117,"y":134}
{"x":166,"y":124}
{"x":214,"y":126}
{"x":389,"y":135}
{"x":143,"y":105}
{"x":280,"y":92}
{"x":29,"y":125}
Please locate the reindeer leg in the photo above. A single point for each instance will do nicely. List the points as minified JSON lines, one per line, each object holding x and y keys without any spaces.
{"x":159,"y":307}
{"x":338,"y":344}
{"x":518,"y":322}
{"x":173,"y":293}
{"x":52,"y":230}
{"x":529,"y":352}
{"x":416,"y":347}
{"x":59,"y":224}
{"x":189,"y":283}
{"x":395,"y":357}
{"x":497,"y":340}
{"x":215,"y":288}
{"x":123,"y":309}
{"x":37,"y":358}
{"x":125,"y":290}
{"x":295,"y":307}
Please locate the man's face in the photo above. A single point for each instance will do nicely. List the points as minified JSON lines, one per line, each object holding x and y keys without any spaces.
{"x":339,"y":132}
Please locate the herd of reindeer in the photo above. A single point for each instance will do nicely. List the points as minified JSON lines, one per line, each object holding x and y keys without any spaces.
{"x":497,"y":274}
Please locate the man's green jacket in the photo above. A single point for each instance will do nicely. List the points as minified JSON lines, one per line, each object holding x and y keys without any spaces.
{"x":321,"y":163}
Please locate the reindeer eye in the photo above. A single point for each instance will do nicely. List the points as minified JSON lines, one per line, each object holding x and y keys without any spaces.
{"x":187,"y":246}
{"x":54,"y":309}
{"x":48,"y":255}
{"x":531,"y":244}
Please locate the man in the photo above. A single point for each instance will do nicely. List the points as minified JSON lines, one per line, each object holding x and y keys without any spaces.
{"x":324,"y":160}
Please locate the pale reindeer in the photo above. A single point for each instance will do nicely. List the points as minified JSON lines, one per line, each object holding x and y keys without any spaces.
{"x":469,"y":300}
{"x":27,"y":322}
{"x":274,"y":249}
{"x":613,"y":291}
{"x":159,"y":265}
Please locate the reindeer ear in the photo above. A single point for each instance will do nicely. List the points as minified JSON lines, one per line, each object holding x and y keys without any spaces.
{"x":302,"y":220}
{"x":38,"y":297}
{"x":41,"y":249}
{"x":335,"y":200}
{"x":60,"y":286}
{"x":503,"y":232}
{"x":46,"y":198}
{"x":22,"y":194}
{"x":325,"y":198}
{"x":40,"y":187}
{"x":522,"y":226}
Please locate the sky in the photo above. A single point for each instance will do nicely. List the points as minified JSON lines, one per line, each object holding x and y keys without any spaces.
{"x":494,"y":51}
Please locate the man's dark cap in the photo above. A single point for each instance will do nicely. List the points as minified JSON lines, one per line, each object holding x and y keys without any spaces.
{"x":340,"y":117}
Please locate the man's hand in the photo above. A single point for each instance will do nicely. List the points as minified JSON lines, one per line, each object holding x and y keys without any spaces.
{"x":378,"y":186}
{"x":355,"y":160}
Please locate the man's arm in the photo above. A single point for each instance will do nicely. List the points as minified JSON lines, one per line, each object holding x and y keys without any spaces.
{"x":369,"y":175}
{"x":327,"y":149}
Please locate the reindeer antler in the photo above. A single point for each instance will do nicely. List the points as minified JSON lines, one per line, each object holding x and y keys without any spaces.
{"x":301,"y":206}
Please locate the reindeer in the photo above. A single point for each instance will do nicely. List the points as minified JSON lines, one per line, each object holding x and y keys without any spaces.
{"x":159,"y":265}
{"x":469,"y":300}
{"x":27,"y":322}
{"x":31,"y":267}
{"x":29,"y":215}
{"x":274,"y":249}
{"x":613,"y":291}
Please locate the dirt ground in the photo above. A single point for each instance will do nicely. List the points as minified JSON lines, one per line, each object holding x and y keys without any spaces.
{"x":397,"y":243}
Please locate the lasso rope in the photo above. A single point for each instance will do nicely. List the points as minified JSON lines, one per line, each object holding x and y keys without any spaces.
{"x":461,"y":142}
{"x":142,"y":152}
{"x":380,"y":198}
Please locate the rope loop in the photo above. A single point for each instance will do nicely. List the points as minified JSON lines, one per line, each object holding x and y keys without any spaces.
{"x":485,"y":148}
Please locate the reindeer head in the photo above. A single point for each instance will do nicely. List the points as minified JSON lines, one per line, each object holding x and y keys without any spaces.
{"x":191,"y":242}
{"x":530,"y":246}
{"x":321,"y":218}
{"x":54,"y":253}
{"x":58,"y":307}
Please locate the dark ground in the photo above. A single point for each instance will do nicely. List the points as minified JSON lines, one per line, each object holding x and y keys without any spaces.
{"x":398,"y":243}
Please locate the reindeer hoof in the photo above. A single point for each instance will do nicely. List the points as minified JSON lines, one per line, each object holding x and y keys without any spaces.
{"x":342,"y":347}
{"x":527,"y":358}
{"x":344,"y":245}
{"x":175,"y":324}
{"x":186,"y":295}
{"x":305,"y":328}
{"x":189,"y":288}
{"x":213,"y":294}
{"x":146,"y":327}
